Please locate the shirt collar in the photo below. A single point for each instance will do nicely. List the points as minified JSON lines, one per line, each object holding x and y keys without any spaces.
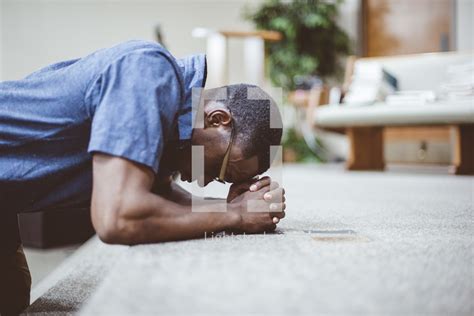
{"x":194,"y":71}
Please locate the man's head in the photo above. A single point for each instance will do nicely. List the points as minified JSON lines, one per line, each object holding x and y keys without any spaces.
{"x":245,"y":117}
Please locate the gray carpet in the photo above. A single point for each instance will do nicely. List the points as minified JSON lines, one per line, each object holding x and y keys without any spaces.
{"x":353,"y":243}
{"x":70,"y":285}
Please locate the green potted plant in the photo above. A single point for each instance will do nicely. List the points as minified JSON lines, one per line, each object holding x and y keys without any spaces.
{"x":312,"y":41}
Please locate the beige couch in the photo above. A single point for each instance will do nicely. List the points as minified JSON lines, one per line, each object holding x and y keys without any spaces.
{"x":366,"y":125}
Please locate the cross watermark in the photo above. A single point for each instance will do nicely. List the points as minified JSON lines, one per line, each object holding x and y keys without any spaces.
{"x":271,"y":99}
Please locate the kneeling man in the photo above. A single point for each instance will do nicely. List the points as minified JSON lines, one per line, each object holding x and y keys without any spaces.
{"x":110,"y":130}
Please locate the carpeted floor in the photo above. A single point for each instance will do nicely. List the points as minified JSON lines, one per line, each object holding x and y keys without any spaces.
{"x":397,"y":242}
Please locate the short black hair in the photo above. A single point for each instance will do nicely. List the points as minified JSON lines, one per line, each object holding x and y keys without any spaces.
{"x":251,"y":110}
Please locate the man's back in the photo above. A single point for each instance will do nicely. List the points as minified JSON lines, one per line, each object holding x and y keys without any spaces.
{"x":51,"y":121}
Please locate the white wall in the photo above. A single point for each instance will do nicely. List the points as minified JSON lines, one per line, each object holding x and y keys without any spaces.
{"x":35,"y":33}
{"x":465,"y":25}
{"x":40,"y":32}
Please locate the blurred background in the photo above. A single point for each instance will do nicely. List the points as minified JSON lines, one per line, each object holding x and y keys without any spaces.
{"x":397,"y":57}
{"x":313,"y":48}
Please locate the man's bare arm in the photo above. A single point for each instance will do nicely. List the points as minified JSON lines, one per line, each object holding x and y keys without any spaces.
{"x":125,"y":211}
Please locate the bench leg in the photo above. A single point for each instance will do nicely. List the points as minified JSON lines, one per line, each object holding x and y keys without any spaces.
{"x":366,"y":148}
{"x":463,"y":155}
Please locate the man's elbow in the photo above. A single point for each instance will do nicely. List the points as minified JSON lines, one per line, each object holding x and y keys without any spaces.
{"x":111,"y":228}
{"x":111,"y":235}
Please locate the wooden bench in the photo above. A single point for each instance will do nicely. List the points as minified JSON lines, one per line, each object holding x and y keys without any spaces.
{"x":365,"y":125}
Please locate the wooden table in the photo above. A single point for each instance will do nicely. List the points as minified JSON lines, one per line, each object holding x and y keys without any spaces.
{"x":365,"y":124}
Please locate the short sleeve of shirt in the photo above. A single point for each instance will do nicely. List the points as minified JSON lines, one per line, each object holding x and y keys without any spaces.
{"x":134,"y":104}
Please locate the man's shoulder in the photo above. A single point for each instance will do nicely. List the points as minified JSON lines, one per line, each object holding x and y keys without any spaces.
{"x":133,"y":53}
{"x":136,"y":47}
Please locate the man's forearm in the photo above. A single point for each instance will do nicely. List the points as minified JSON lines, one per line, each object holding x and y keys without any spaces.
{"x":125,"y":210}
{"x":153,"y":218}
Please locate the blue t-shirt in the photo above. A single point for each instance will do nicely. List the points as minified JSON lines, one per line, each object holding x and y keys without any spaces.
{"x":126,"y":101}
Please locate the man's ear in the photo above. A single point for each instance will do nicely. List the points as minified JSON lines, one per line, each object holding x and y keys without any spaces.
{"x":218,"y":117}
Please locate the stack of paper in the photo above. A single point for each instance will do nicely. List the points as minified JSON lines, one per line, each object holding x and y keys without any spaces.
{"x":460,"y":83}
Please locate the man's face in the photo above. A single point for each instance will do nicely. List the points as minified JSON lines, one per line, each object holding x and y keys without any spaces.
{"x":216,"y":137}
{"x":238,"y":169}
